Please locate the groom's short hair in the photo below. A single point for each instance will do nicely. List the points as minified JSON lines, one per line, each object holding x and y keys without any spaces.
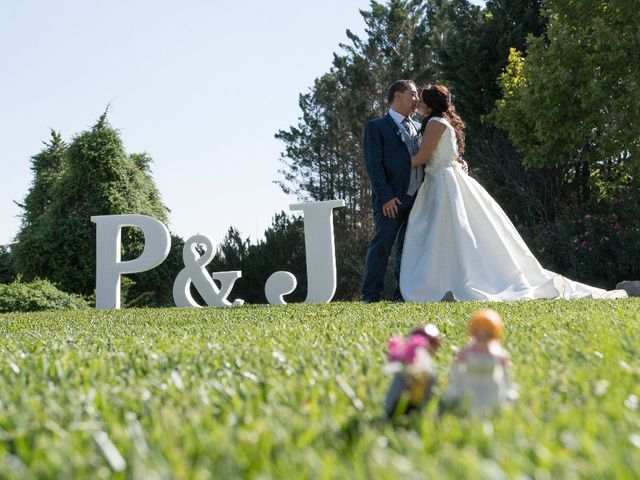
{"x":399,"y":86}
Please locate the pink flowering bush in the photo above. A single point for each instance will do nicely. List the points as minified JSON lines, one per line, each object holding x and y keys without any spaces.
{"x":597,"y":244}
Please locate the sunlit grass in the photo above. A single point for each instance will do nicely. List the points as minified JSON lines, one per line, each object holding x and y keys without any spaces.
{"x":296,"y":392}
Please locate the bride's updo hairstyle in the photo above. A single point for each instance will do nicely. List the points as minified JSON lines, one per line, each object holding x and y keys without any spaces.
{"x":438,"y":99}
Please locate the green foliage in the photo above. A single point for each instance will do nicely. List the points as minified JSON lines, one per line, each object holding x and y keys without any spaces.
{"x":575,"y":97}
{"x":323,"y":153}
{"x":19,"y":296}
{"x":91,"y":176}
{"x":472,"y":49}
{"x":47,"y":167}
{"x":283,"y":248}
{"x":596,"y":243}
{"x":351,"y":246}
{"x":570,"y":106}
{"x":7,"y":265}
{"x":297,"y":392}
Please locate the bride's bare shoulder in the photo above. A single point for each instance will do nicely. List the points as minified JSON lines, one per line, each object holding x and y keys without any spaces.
{"x":439,"y":120}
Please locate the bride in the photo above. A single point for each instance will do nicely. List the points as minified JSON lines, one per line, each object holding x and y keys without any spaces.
{"x":458,"y":239}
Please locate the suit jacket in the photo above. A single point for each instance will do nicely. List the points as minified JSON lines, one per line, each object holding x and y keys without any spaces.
{"x":387,"y":160}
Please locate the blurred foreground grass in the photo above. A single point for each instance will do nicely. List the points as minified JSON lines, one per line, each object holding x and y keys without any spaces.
{"x":296,"y":392}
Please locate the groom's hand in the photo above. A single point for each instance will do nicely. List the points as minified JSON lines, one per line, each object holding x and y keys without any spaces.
{"x":390,"y":209}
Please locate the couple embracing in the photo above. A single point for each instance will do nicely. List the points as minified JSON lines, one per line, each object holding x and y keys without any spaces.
{"x":452,"y":239}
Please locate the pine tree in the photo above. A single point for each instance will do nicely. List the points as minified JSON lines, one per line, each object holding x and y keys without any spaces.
{"x":283,"y":248}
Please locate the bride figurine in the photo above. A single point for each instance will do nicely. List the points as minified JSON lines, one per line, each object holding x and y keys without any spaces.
{"x":458,"y":239}
{"x":479,"y":379}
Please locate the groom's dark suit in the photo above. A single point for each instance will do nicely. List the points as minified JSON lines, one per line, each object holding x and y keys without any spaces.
{"x":388,"y":163}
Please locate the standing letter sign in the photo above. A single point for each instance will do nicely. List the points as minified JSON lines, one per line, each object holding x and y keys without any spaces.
{"x":157,"y":242}
{"x":318,"y":240}
{"x":194,"y":272}
{"x":320,"y":253}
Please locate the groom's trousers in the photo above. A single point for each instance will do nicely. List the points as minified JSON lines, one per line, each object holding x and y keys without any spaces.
{"x":387,"y":232}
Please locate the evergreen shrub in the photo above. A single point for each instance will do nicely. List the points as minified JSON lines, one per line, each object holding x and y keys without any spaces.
{"x":37,"y":295}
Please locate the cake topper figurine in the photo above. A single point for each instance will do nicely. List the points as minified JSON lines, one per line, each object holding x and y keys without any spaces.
{"x":479,"y":379}
{"x":413,"y":370}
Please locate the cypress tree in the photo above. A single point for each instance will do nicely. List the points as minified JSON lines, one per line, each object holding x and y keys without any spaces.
{"x":93,"y":176}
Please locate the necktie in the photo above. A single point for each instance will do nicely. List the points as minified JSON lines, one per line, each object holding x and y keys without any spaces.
{"x":412,"y":140}
{"x":411,"y":136}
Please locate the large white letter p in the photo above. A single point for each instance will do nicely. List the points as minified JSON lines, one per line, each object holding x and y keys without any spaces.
{"x":157,"y":242}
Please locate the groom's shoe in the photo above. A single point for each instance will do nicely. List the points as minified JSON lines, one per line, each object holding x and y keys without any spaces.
{"x":370,"y":300}
{"x":449,"y":297}
{"x":397,"y":296}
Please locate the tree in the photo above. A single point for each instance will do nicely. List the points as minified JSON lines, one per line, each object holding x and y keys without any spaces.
{"x":92,"y":176}
{"x":323,"y":154}
{"x":47,"y":167}
{"x":571,"y":105}
{"x":574,"y":99}
{"x":471,"y":47}
{"x":7,"y":265}
{"x":282,"y":249}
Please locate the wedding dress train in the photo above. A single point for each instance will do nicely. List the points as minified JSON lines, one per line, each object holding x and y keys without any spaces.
{"x":458,"y":239}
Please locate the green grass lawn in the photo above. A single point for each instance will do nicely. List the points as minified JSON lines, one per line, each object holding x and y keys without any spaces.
{"x":296,"y":392}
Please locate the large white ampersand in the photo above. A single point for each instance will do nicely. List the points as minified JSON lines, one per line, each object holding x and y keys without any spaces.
{"x":194,"y":272}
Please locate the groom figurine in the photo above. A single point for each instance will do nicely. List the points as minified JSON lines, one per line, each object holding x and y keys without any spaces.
{"x":389,"y":143}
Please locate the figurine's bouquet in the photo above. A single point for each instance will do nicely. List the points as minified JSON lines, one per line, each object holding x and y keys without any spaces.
{"x":413,"y":369}
{"x":409,"y":354}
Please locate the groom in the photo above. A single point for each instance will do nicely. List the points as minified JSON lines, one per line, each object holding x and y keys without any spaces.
{"x":389,"y":143}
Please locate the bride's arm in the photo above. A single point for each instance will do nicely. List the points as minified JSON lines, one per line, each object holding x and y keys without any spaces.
{"x":430,"y":139}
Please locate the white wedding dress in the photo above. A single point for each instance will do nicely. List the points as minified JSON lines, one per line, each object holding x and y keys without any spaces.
{"x":458,"y":239}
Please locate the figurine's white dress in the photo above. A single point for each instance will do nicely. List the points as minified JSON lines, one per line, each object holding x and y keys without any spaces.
{"x":458,"y":239}
{"x":480,"y":382}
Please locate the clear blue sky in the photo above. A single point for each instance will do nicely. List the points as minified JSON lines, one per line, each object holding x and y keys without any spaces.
{"x":202,"y":86}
